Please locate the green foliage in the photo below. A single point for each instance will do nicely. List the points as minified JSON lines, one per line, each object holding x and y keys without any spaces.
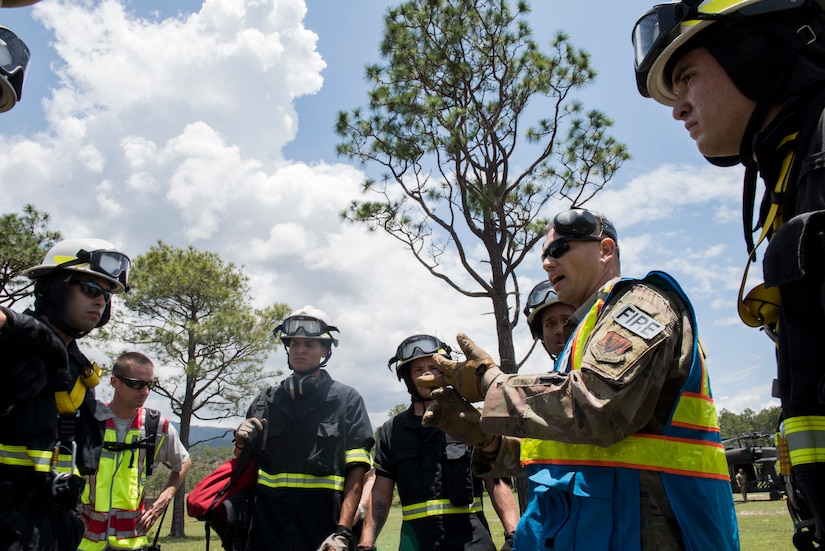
{"x":733,"y":425}
{"x":205,"y":459}
{"x":192,"y":311}
{"x":24,"y":241}
{"x":446,"y":122}
{"x":399,"y":408}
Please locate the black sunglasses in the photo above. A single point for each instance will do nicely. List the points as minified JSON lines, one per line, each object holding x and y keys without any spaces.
{"x":92,"y":289}
{"x":560,"y":246}
{"x":136,"y":384}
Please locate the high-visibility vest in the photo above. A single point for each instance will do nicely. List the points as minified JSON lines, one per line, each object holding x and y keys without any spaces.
{"x":688,"y":453}
{"x":113,"y":498}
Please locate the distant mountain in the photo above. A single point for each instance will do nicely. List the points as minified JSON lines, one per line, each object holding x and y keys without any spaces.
{"x":215,"y":436}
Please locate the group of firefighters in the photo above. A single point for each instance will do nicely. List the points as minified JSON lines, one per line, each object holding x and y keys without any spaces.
{"x":618,"y":439}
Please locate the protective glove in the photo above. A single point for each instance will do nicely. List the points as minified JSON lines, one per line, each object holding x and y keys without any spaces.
{"x":338,"y":540}
{"x":471,"y":378}
{"x":508,"y":542}
{"x":248,"y":431}
{"x":457,"y":417}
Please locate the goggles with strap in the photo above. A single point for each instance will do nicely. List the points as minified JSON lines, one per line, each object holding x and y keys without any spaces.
{"x":304,"y":326}
{"x":418,"y":346}
{"x":582,"y":223}
{"x":539,"y":297}
{"x":111,"y":263}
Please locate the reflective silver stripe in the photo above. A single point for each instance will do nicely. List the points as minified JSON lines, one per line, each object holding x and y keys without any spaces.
{"x":358,"y":456}
{"x":434,"y":507}
{"x":299,"y":480}
{"x":39,"y":460}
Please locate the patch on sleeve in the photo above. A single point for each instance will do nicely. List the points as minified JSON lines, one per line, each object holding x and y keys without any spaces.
{"x":636,"y":321}
{"x":613,"y":343}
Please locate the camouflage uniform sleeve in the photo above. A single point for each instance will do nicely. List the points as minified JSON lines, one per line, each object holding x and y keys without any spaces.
{"x":502,"y":463}
{"x":633,"y":350}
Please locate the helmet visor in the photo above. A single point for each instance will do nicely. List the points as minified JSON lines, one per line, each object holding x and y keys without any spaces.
{"x":306,"y":326}
{"x":653,"y":32}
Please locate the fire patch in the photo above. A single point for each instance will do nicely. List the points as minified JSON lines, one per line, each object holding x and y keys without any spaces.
{"x":636,"y":321}
{"x":613,"y":343}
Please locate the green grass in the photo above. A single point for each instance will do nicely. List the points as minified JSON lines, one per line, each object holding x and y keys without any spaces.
{"x":763,"y":526}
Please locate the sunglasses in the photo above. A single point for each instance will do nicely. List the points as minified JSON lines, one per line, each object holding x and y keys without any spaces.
{"x":136,"y":384}
{"x":92,"y":289}
{"x":560,"y":246}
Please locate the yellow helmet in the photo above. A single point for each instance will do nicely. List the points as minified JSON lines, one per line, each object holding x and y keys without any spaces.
{"x":665,"y":28}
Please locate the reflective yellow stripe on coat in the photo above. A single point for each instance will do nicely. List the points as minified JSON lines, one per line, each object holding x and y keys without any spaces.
{"x":806,"y":439}
{"x":299,"y":480}
{"x":435,"y":507}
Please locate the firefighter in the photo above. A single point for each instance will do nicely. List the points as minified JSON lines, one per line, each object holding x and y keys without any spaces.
{"x":50,"y":432}
{"x":747,"y":78}
{"x":441,"y":500}
{"x":136,"y":440}
{"x":546,"y":316}
{"x":621,"y":447}
{"x":313,"y":443}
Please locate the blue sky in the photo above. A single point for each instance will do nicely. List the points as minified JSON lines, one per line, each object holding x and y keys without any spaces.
{"x":210,"y":124}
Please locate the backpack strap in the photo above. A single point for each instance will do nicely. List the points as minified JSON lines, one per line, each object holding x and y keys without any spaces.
{"x":152,"y":423}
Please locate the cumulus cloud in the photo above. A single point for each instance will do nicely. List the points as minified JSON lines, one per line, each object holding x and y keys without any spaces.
{"x":173,"y":128}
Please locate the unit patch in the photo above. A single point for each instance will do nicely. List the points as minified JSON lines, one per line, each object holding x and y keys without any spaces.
{"x":614,"y":343}
{"x":636,"y":321}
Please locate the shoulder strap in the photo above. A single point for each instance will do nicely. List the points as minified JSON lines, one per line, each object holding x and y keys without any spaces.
{"x":259,"y":413}
{"x":152,"y":422}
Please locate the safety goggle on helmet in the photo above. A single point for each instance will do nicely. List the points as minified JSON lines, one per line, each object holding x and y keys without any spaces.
{"x":308,"y":323}
{"x":14,"y":60}
{"x":660,"y":32}
{"x":417,"y":346}
{"x":542,"y":296}
{"x":92,"y":256}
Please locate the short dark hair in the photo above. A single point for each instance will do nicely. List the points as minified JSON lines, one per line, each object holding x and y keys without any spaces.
{"x":128,"y":358}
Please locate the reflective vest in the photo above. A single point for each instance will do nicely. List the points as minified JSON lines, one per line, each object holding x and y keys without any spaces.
{"x":113,"y":498}
{"x":688,"y":455}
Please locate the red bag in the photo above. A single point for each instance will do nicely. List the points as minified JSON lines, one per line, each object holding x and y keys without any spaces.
{"x":235,"y":481}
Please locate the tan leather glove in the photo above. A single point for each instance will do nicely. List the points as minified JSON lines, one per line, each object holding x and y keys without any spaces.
{"x":471,"y":378}
{"x":457,"y":417}
{"x":248,"y":431}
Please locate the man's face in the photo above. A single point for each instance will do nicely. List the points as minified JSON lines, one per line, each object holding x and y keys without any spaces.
{"x":82,"y":311}
{"x":713,"y":109}
{"x":419,"y":367}
{"x":553,"y":318}
{"x":577,"y":273}
{"x":127,"y":396}
{"x":306,"y":354}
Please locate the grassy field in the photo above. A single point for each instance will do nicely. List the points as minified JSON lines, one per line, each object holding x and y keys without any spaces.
{"x":763,"y":526}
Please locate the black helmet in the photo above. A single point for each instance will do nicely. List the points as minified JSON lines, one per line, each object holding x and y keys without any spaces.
{"x":412,"y":348}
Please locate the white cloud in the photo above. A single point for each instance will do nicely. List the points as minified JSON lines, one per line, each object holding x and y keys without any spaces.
{"x":174,"y":129}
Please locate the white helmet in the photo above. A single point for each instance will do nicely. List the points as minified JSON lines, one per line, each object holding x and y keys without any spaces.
{"x":308,"y":323}
{"x":89,"y":256}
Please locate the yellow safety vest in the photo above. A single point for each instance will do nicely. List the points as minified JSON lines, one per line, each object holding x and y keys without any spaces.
{"x":113,"y":498}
